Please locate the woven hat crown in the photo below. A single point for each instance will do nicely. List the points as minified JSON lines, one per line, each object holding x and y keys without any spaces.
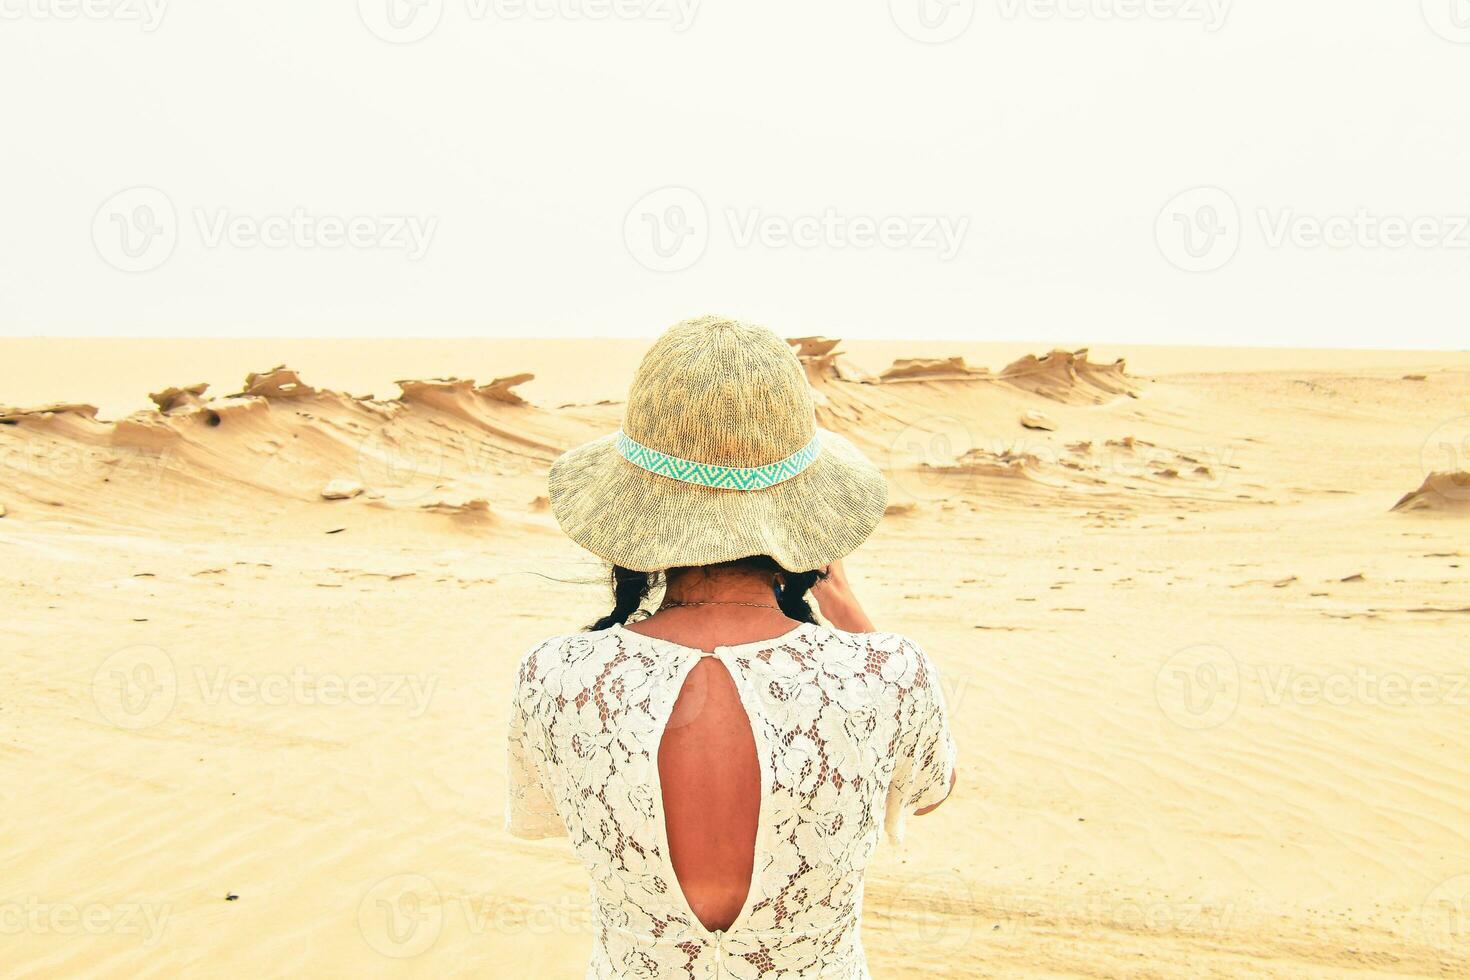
{"x":722,"y":392}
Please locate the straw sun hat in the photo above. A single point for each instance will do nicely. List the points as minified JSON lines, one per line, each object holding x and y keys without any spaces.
{"x":719,"y":458}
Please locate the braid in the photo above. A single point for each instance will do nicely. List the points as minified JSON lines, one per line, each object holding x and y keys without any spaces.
{"x":791,"y":594}
{"x":630,"y":588}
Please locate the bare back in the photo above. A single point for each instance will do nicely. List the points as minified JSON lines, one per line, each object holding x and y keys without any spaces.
{"x":710,"y":772}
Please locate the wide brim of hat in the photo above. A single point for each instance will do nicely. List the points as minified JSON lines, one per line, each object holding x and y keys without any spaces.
{"x":648,"y":522}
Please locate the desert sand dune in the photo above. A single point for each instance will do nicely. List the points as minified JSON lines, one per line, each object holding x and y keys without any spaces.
{"x":1441,"y":492}
{"x":1204,"y":658}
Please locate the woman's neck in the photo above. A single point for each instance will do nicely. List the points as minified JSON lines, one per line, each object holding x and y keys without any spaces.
{"x":722,"y":586}
{"x":735,"y":606}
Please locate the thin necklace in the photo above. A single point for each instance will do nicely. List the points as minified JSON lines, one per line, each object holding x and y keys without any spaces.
{"x":721,"y":602}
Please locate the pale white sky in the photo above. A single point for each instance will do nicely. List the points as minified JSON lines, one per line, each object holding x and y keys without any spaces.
{"x":529,"y":169}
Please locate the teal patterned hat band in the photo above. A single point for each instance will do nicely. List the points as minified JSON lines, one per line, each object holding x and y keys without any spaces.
{"x":717,"y":477}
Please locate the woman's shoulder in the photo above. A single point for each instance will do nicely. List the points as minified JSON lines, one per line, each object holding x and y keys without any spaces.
{"x":881,"y":641}
{"x":896,"y":659}
{"x":561,"y":648}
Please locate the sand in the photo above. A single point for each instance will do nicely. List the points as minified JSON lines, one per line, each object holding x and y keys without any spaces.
{"x":1202,"y":631}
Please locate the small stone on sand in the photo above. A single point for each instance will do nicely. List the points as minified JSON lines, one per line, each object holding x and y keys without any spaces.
{"x":341,"y":490}
{"x":1038,"y":420}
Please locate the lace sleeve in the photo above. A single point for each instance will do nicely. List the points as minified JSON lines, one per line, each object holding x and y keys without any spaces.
{"x":926,"y":749}
{"x":529,"y":810}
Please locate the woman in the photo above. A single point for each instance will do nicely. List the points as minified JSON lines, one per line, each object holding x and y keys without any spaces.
{"x":725,"y":766}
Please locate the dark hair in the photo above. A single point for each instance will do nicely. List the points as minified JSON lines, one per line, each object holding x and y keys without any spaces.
{"x":630,"y":588}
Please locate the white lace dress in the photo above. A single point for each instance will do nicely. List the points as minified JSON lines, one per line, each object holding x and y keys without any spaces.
{"x":851,"y":735}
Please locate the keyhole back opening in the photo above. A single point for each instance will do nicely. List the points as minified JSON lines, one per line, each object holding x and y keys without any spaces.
{"x":710,"y":777}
